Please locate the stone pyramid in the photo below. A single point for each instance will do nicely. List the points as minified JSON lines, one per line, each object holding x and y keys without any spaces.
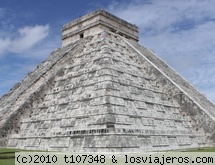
{"x":103,"y":92}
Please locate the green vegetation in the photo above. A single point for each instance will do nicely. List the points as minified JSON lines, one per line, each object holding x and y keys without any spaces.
{"x":7,"y":162}
{"x":7,"y":156}
{"x":208,"y":149}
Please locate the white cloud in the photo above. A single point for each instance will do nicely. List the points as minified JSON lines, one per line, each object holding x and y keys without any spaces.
{"x":29,"y":36}
{"x":181,"y":32}
{"x":200,"y":76}
{"x":2,"y":12}
{"x":4,"y":45}
{"x":187,"y":48}
{"x":26,"y":38}
{"x":42,"y":50}
{"x":157,"y":14}
{"x":26,"y":48}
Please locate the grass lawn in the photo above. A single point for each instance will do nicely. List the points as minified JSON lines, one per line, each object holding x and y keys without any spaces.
{"x":6,"y":152}
{"x":7,"y":162}
{"x":7,"y":156}
{"x":208,"y":149}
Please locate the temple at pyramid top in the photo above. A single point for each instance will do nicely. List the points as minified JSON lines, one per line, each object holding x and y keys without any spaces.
{"x":96,"y":22}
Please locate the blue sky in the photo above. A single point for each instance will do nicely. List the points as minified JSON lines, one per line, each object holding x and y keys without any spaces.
{"x":181,"y":32}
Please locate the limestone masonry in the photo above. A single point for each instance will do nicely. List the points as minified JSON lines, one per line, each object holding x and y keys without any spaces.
{"x":103,"y":92}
